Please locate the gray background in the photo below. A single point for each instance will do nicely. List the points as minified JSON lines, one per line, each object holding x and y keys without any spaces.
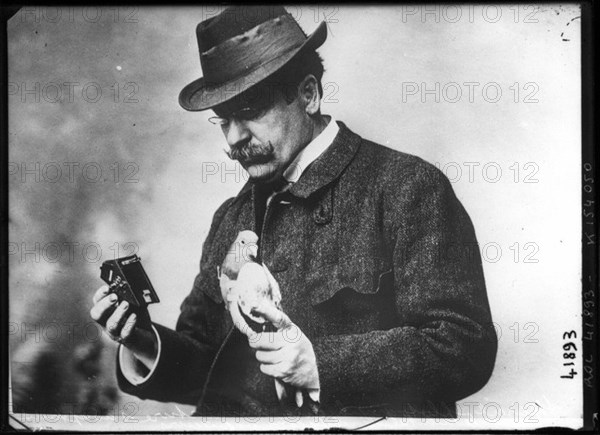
{"x":161,"y":200}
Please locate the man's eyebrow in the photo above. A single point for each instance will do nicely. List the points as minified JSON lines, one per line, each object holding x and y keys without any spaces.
{"x":224,"y":112}
{"x":219,"y":111}
{"x":243,"y":103}
{"x":227,"y":108}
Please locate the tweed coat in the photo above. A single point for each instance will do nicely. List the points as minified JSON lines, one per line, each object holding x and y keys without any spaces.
{"x":378,"y":266}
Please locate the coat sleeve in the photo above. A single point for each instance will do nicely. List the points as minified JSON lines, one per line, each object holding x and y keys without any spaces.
{"x":445,"y":347}
{"x":186,"y":352}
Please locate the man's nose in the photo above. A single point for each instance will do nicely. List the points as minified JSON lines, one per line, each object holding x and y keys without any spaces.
{"x":237,"y":132}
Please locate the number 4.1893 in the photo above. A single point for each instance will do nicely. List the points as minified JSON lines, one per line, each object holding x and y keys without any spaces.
{"x":570,"y":346}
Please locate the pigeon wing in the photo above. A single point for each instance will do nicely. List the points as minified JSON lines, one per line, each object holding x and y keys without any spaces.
{"x":275,"y":292}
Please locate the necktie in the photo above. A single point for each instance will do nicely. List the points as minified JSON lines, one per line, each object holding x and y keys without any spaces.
{"x":263,"y":196}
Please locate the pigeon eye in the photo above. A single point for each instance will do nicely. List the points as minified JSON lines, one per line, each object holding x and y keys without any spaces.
{"x":243,"y":243}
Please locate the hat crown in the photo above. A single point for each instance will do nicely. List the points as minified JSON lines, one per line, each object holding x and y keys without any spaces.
{"x":243,"y":46}
{"x":233,"y":21}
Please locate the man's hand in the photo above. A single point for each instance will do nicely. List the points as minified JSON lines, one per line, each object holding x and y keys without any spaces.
{"x":287,"y":355}
{"x":120,"y":327}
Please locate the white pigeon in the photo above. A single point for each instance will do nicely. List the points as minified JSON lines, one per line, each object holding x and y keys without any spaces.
{"x":246,"y":285}
{"x":242,"y":251}
{"x":240,"y":265}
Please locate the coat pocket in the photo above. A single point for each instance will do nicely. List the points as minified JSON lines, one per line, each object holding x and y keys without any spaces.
{"x":358,"y":274}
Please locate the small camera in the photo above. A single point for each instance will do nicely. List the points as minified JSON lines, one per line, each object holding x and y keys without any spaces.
{"x":127,"y":278}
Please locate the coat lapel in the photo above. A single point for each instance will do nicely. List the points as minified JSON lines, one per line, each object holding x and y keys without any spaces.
{"x":329,"y":165}
{"x":322,"y":171}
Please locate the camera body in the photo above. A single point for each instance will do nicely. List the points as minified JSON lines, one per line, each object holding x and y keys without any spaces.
{"x":127,"y":278}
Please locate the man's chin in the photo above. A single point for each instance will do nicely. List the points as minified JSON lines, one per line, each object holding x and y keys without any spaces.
{"x":261,"y":172}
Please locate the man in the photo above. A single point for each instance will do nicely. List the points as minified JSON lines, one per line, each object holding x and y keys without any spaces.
{"x":382,"y":313}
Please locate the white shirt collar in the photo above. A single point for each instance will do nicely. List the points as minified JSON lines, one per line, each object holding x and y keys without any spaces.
{"x":311,"y":151}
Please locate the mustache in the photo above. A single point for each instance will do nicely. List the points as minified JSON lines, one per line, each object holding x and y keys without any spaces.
{"x":251,"y":152}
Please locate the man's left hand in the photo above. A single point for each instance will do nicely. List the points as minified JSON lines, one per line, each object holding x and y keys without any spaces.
{"x":286,"y":355}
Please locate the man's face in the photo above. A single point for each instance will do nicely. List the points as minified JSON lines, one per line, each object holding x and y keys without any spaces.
{"x":265,"y":131}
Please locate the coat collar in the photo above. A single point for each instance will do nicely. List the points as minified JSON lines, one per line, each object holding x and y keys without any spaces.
{"x":324,"y":169}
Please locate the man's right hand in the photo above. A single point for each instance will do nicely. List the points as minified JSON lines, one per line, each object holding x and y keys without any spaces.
{"x":120,"y":327}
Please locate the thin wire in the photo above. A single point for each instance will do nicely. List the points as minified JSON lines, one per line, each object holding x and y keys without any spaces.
{"x":20,"y":422}
{"x":212,"y":367}
{"x":369,"y":424}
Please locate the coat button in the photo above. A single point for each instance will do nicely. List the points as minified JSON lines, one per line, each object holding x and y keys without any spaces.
{"x":321,"y":214}
{"x":322,"y":211}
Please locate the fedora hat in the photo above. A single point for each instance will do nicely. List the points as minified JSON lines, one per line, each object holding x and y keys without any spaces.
{"x":241,"y":47}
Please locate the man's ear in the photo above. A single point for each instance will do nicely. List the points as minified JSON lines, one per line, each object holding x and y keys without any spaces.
{"x":309,"y":94}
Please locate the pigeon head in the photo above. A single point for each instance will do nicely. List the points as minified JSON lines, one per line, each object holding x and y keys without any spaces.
{"x":247,"y":244}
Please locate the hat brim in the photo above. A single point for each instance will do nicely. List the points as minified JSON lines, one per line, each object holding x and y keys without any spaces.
{"x":199,"y":95}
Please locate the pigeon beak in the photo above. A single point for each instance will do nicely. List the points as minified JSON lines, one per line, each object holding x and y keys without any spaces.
{"x":253,"y":252}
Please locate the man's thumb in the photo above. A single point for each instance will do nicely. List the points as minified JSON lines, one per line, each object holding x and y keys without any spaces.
{"x":268,"y":311}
